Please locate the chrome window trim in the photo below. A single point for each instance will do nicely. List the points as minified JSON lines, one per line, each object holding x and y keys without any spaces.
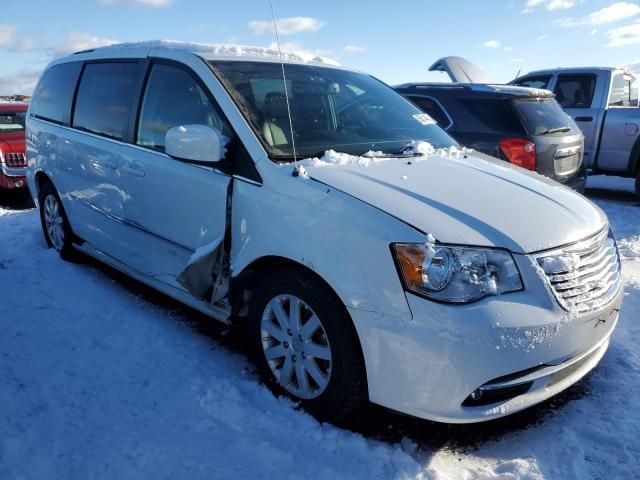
{"x":247,"y":180}
{"x":132,"y":145}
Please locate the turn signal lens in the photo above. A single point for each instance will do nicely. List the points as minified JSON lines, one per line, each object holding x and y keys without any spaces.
{"x":411,"y":258}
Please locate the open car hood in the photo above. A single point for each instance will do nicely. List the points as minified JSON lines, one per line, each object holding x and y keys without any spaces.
{"x":460,"y":70}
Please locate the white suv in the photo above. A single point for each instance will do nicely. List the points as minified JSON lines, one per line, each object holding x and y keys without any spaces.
{"x":368,"y":255}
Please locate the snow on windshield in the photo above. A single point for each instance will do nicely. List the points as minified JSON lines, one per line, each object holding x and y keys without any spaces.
{"x":415,"y":150}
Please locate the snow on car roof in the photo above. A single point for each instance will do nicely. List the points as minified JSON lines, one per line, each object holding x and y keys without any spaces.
{"x":213,"y":51}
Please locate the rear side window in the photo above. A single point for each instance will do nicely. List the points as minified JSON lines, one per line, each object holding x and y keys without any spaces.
{"x":623,"y":92}
{"x":172,"y":98}
{"x":541,"y":81}
{"x":490,"y":116}
{"x":433,"y":109}
{"x":12,"y":120}
{"x":575,"y":91}
{"x":105,"y":98}
{"x":53,"y":95}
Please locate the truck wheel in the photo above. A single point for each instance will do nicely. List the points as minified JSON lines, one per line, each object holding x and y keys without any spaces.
{"x":55,"y":225}
{"x":305,"y":346}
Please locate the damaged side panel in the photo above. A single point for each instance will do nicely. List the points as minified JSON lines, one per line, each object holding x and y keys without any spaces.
{"x":197,"y":277}
{"x":206,"y":275}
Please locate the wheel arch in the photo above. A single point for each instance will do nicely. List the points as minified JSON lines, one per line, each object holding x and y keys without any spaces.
{"x":247,"y":280}
{"x":634,"y":157}
{"x":40,"y":178}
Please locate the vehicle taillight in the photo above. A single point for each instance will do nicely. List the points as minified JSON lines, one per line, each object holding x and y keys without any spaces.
{"x":520,"y":151}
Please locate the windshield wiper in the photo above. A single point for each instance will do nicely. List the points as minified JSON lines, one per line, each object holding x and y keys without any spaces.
{"x":393,"y":155}
{"x":556,"y":130}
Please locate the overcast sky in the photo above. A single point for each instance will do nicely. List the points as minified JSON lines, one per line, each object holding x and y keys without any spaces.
{"x":396,"y":42}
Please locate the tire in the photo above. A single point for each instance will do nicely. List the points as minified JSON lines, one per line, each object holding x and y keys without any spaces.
{"x":323,"y":351}
{"x":55,"y":224}
{"x":638,"y":186}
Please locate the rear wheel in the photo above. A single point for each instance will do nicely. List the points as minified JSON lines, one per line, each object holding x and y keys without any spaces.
{"x":305,"y":345}
{"x":55,"y":225}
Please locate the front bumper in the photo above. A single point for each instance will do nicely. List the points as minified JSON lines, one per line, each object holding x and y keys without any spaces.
{"x":12,"y":178}
{"x":429,"y":367}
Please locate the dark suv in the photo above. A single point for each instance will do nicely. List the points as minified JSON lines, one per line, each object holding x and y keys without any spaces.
{"x":524,"y":126}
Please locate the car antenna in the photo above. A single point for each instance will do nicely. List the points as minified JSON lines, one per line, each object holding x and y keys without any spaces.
{"x":296,"y":171}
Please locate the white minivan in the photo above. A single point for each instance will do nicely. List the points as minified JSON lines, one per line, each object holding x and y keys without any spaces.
{"x":366,"y":253}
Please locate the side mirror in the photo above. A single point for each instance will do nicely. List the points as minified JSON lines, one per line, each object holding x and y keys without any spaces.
{"x":196,"y":143}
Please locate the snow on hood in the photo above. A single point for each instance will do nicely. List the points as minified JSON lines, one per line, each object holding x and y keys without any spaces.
{"x":465,"y":198}
{"x":213,"y":50}
{"x":332,"y":158}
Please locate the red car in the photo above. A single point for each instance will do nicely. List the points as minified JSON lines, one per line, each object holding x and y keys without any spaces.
{"x":13,"y":161}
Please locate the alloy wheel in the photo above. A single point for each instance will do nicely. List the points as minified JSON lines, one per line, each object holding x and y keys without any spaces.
{"x":54,"y":221}
{"x":296,"y":346}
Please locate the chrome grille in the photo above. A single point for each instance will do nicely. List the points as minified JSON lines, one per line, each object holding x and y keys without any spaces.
{"x":586,"y":275}
{"x":15,"y":160}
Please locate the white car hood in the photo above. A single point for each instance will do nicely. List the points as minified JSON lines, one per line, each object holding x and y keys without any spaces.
{"x":476,"y":200}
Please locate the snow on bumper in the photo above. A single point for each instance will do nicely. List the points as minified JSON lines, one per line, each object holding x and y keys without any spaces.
{"x":429,"y":366}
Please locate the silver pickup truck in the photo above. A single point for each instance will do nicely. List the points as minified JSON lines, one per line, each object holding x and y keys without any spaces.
{"x":604,"y":103}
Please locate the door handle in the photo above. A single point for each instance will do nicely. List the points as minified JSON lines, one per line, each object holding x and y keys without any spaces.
{"x":132,"y":171}
{"x":584,"y":119}
{"x":104,"y":163}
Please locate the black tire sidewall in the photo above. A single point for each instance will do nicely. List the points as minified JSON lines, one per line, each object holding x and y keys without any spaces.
{"x":347,"y":384}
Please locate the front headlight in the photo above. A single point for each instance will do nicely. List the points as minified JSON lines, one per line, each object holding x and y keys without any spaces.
{"x":456,"y":274}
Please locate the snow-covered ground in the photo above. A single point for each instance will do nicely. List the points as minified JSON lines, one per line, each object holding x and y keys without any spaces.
{"x":101,"y":378}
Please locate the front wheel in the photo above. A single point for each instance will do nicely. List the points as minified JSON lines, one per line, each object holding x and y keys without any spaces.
{"x":55,"y":225}
{"x":305,"y":346}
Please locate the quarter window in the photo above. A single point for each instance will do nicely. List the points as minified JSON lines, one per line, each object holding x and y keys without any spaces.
{"x":105,"y":98}
{"x":488,"y":115}
{"x":174,"y":98}
{"x":575,"y":91}
{"x":433,"y":109}
{"x":52,"y":97}
{"x":623,"y":92}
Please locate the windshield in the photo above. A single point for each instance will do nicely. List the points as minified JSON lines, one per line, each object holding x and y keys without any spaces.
{"x":12,"y":121}
{"x":331,"y":109}
{"x":544,"y":116}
